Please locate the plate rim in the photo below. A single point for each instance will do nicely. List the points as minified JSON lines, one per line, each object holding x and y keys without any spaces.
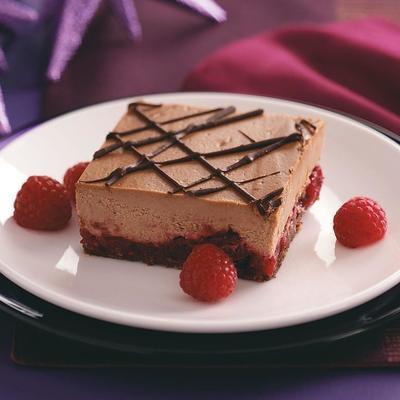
{"x":147,"y":322}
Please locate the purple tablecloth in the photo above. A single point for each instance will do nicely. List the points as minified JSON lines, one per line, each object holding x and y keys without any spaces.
{"x":308,"y":384}
{"x":26,"y":383}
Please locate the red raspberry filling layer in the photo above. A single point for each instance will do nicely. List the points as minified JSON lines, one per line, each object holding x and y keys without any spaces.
{"x":270,"y":265}
{"x":310,"y":196}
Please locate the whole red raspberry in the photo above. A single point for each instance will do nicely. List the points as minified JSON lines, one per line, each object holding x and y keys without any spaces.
{"x":42,"y":203}
{"x":72,"y":176}
{"x":359,"y":222}
{"x":208,"y":274}
{"x":314,"y":187}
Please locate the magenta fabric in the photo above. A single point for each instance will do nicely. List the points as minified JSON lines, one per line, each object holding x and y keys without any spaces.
{"x":349,"y":66}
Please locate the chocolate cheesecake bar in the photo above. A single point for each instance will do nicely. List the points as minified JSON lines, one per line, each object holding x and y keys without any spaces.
{"x":172,"y":176}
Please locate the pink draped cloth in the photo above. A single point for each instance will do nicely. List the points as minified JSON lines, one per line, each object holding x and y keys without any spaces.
{"x":349,"y":66}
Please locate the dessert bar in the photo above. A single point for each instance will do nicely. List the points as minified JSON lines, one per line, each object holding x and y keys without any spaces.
{"x":172,"y":176}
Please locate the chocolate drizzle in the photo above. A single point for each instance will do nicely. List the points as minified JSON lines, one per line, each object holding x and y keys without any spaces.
{"x":189,"y":129}
{"x":219,"y":117}
{"x":307,"y":125}
{"x":170,"y":121}
{"x":204,"y":192}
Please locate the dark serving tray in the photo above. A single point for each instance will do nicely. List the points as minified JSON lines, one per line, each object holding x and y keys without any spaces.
{"x":31,"y":310}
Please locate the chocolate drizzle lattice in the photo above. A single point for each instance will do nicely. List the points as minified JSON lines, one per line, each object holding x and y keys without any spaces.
{"x":218,"y":117}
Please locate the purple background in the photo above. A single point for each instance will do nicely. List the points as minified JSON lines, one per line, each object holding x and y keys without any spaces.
{"x":24,"y":93}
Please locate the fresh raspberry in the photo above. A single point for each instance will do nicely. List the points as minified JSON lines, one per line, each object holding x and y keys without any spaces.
{"x":359,"y":221}
{"x":72,"y":176}
{"x":314,"y":187}
{"x":208,"y":274}
{"x":42,"y":203}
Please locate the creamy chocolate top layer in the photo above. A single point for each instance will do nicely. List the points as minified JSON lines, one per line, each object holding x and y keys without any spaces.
{"x":217,"y":154}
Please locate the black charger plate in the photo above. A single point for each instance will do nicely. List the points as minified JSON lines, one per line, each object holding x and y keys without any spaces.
{"x":29,"y":309}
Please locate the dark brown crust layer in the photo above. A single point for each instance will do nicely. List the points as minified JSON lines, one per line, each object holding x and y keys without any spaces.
{"x":173,"y":253}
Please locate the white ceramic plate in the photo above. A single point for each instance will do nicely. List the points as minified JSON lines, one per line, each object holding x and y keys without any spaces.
{"x":318,"y":277}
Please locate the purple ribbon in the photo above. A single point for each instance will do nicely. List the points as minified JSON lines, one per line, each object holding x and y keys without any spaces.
{"x":76,"y":15}
{"x":12,"y":14}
